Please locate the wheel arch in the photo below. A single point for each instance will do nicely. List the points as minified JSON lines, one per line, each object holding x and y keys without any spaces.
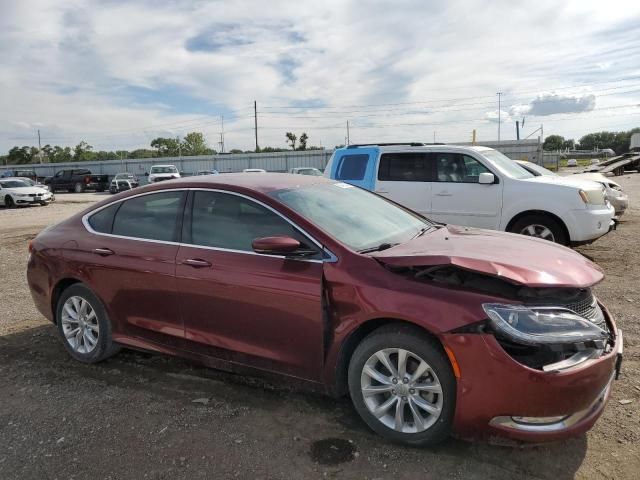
{"x":60,"y":287}
{"x":543,"y":213}
{"x":340,"y":384}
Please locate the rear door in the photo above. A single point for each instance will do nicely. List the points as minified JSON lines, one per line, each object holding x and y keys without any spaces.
{"x":458,"y":198}
{"x":355,"y":166}
{"x":130,"y":258}
{"x":404,"y":177}
{"x":259,"y":310}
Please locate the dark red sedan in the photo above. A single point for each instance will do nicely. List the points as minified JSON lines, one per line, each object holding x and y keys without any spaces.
{"x":431,"y":329}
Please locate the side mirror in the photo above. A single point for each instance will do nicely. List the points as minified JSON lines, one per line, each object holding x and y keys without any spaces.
{"x":275,"y":245}
{"x":486,"y":178}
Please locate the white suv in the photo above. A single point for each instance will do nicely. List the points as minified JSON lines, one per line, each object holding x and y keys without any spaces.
{"x":477,"y":187}
{"x":163,"y":172}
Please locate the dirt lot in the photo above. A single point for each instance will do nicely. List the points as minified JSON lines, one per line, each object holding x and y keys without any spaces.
{"x":134,"y":416}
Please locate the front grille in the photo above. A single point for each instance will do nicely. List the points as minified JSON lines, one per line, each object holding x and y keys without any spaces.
{"x":588,"y":308}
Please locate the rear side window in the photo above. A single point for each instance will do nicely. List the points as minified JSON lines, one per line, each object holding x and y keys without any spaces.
{"x":352,"y":167}
{"x":102,"y":221}
{"x":151,"y":217}
{"x":404,"y":167}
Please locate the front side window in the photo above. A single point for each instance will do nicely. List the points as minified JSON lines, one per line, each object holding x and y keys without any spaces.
{"x":404,"y":167}
{"x":458,"y":168}
{"x":232,"y":222}
{"x":151,"y":217}
{"x":352,"y":167}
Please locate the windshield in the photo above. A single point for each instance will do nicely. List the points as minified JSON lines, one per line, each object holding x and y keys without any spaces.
{"x":13,"y":184}
{"x":28,"y":181}
{"x":505,"y":164}
{"x":169,"y":169}
{"x":538,"y":170}
{"x":310,"y":171}
{"x":123,"y":176}
{"x":355,"y":217}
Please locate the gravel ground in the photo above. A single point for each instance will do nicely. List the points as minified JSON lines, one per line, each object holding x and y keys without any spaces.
{"x":150,"y":416}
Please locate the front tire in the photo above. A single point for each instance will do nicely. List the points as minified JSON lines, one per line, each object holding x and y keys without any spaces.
{"x":84,"y":326}
{"x":541,"y":226}
{"x":78,"y":188}
{"x":8,"y":202}
{"x":402,"y":385}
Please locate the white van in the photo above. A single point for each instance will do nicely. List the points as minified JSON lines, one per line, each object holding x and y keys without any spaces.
{"x":477,"y":187}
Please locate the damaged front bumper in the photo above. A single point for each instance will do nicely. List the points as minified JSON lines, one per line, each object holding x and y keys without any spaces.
{"x":500,"y":396}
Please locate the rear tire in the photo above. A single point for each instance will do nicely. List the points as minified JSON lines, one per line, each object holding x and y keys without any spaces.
{"x":84,"y":326}
{"x":541,"y":226}
{"x":403,"y":374}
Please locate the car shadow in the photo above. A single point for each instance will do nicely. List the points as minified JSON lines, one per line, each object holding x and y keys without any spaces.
{"x":35,"y":360}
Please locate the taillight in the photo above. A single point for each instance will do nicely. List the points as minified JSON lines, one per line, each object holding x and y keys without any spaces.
{"x":30,"y":246}
{"x":87,"y":179}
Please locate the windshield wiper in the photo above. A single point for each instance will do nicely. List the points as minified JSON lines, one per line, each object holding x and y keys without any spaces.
{"x":423,"y":230}
{"x":378,"y":248}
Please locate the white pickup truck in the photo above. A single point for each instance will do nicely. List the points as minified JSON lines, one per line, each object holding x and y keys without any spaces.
{"x":477,"y":187}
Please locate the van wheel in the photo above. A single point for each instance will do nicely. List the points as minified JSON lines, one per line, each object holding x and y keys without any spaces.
{"x":84,"y":326}
{"x":402,"y":386}
{"x":78,"y":188}
{"x":540,"y":226}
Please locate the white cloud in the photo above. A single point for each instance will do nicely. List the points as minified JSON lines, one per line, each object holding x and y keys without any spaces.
{"x":116,"y":74}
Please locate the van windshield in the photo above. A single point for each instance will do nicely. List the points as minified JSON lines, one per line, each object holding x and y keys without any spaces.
{"x":169,"y":169}
{"x":505,"y":164}
{"x":357,"y":218}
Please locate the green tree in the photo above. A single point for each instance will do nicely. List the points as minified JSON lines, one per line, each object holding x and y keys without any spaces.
{"x":235,"y":150}
{"x":142,"y":153}
{"x":553,"y":143}
{"x":195,"y":144}
{"x":19,"y":155}
{"x":83,"y":152}
{"x":60,"y":155}
{"x":291,"y":138}
{"x":166,"y":147}
{"x":569,"y":144}
{"x":302,"y":143}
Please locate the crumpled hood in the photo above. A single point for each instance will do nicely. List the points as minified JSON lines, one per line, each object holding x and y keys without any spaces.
{"x":516,"y":258}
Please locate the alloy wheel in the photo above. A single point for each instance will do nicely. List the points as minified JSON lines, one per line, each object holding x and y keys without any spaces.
{"x":538,"y":231}
{"x":401,"y":390}
{"x":80,"y":325}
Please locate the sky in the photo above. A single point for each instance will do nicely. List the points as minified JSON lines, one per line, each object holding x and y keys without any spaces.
{"x":117,"y":74}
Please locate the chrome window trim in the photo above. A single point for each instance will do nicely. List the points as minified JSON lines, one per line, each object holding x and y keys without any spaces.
{"x":332,"y":257}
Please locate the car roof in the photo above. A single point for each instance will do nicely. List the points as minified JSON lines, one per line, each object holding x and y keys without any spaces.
{"x":163,"y":165}
{"x":259,"y":182}
{"x":420,"y":148}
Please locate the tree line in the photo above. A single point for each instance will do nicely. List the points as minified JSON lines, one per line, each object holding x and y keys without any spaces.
{"x":191,"y":144}
{"x":616,"y":141}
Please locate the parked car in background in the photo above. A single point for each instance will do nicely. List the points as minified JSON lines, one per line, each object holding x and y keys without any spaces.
{"x":20,"y":172}
{"x":123,"y":181}
{"x":429,"y":328}
{"x":477,"y":187}
{"x":306,"y":171}
{"x":77,"y":180}
{"x":613,"y":190}
{"x":572,"y":162}
{"x":33,"y":183}
{"x":207,"y":172}
{"x":158,"y":173}
{"x":254,"y":170}
{"x":18,"y":193}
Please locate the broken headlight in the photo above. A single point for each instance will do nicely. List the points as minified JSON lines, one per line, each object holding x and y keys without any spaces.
{"x":543,"y":325}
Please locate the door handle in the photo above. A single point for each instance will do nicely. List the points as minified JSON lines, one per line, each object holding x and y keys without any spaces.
{"x":444,"y":194}
{"x":197,"y":263}
{"x":105,"y":252}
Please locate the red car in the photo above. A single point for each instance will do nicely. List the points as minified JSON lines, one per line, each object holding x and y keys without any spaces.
{"x":431,"y":329}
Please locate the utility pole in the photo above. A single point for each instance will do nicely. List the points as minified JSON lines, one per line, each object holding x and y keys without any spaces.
{"x":348,"y":138}
{"x":222,"y":134}
{"x":499,"y":112}
{"x":255,"y":122}
{"x":39,"y":148}
{"x":517,"y":129}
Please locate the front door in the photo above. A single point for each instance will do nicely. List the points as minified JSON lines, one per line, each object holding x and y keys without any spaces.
{"x":258,"y":310}
{"x":404,"y":178}
{"x":458,"y":198}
